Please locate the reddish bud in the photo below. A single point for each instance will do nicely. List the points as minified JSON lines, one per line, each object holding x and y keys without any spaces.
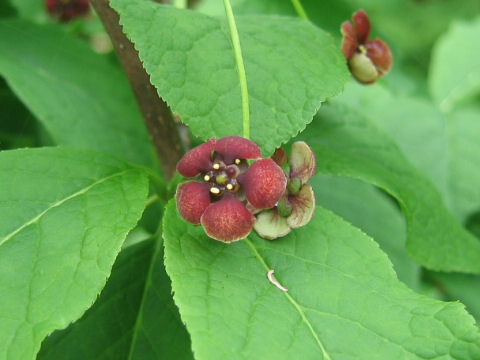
{"x":192,"y":200}
{"x":227,"y":220}
{"x":196,"y":160}
{"x":368,"y":60}
{"x":264,"y":183}
{"x":236,"y":147}
{"x":66,"y":10}
{"x":362,"y":25}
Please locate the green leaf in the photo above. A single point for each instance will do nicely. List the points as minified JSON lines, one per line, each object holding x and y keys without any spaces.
{"x":81,"y":98}
{"x":18,"y":128}
{"x":370,"y":210}
{"x":105,"y":330}
{"x":343,"y":300}
{"x":65,"y":214}
{"x":346,"y":144}
{"x":445,"y":146}
{"x":464,"y":160}
{"x":6,"y":10}
{"x":455,"y":66}
{"x":241,"y":7}
{"x":130,"y":318}
{"x":159,"y":333}
{"x":461,"y":287}
{"x":394,"y":21}
{"x":30,"y":9}
{"x":291,"y":67}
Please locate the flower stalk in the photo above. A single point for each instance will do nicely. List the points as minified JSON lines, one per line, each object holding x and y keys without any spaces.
{"x":242,"y":77}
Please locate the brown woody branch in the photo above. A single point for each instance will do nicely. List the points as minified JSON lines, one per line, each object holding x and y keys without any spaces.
{"x":156,"y":114}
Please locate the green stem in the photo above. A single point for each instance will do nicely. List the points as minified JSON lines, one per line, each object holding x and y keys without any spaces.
{"x":151,"y":200}
{"x":180,"y":4}
{"x":299,"y":9}
{"x":242,"y":77}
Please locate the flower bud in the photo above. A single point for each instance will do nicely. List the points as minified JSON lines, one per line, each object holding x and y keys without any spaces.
{"x":367,"y":59}
{"x":294,"y":186}
{"x":66,"y":10}
{"x":284,"y":207}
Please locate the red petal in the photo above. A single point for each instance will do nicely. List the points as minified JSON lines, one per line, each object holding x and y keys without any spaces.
{"x":302,"y":161}
{"x":303,"y":205}
{"x":270,"y":225}
{"x":196,"y":160}
{"x":380,"y":55}
{"x":264,"y":183}
{"x":51,"y":4}
{"x":236,"y":147}
{"x":362,"y":25}
{"x":192,"y":200}
{"x":227,"y":220}
{"x":349,"y":40}
{"x":279,"y":156}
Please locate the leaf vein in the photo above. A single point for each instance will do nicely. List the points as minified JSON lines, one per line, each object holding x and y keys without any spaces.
{"x":57,"y":204}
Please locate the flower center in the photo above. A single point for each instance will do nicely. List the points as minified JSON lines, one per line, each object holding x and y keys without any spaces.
{"x":223,"y":177}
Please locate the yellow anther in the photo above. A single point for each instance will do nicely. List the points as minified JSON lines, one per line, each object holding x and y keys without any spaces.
{"x":237,"y":161}
{"x":229,"y":187}
{"x":215,"y":190}
{"x":216,"y":166}
{"x":362,"y":49}
{"x":206,"y":178}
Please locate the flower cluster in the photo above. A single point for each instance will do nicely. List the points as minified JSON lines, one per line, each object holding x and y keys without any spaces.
{"x":66,"y":10}
{"x":227,"y":191}
{"x":368,"y":59}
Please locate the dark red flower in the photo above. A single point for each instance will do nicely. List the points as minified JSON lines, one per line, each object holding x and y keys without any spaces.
{"x":66,"y":10}
{"x":368,"y":59}
{"x":227,"y":186}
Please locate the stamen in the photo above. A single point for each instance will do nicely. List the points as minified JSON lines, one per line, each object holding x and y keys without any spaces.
{"x":216,"y":166}
{"x":362,"y":49}
{"x":237,"y":161}
{"x":206,"y":178}
{"x":229,"y":187}
{"x":215,"y":190}
{"x":274,"y":281}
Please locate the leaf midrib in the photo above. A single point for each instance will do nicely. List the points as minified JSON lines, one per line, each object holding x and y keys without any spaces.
{"x":295,"y":304}
{"x":59,"y":203}
{"x":146,"y":287}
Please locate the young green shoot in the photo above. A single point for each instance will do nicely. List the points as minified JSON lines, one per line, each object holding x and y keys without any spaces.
{"x":242,"y":77}
{"x":299,"y":9}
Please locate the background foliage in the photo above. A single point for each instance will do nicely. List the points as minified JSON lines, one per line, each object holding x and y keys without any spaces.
{"x":378,"y":272}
